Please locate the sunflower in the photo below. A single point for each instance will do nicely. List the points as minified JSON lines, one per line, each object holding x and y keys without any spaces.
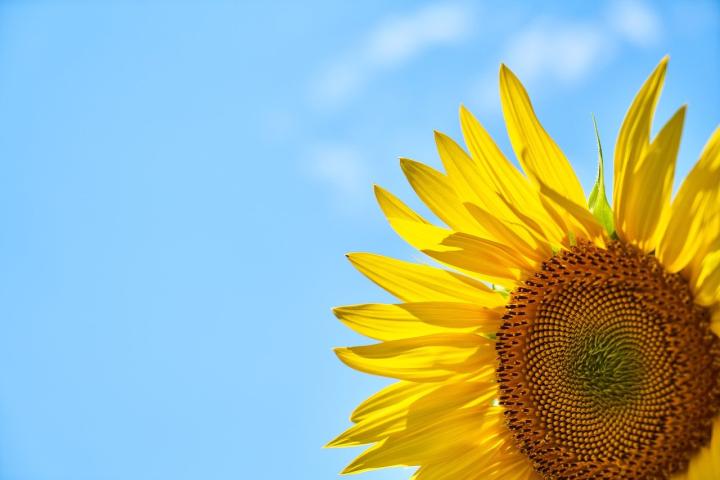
{"x":567,"y":339}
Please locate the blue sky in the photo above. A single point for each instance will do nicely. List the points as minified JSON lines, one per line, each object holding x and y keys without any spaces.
{"x":179,"y":183}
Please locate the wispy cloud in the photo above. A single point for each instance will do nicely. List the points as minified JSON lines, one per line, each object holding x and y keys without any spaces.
{"x":393,"y":43}
{"x":341,"y":169}
{"x":556,"y":50}
{"x":567,"y":51}
{"x":635,"y":22}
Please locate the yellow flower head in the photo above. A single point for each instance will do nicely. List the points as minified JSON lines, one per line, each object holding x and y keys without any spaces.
{"x":567,"y":339}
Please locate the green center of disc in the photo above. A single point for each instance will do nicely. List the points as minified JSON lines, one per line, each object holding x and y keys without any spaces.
{"x":607,"y":369}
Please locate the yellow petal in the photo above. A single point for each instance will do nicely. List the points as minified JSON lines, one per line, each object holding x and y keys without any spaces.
{"x":693,"y":210}
{"x":410,"y":226}
{"x":393,"y":322}
{"x":493,"y":167}
{"x":393,"y":207}
{"x":707,"y":284}
{"x":430,"y":443}
{"x":480,"y":193}
{"x":513,"y":466}
{"x":430,"y":407}
{"x":417,"y":283}
{"x":634,"y":137}
{"x":577,"y":219}
{"x":715,"y":320}
{"x":391,"y":395}
{"x":422,"y":359}
{"x":648,"y":186}
{"x":495,"y":463}
{"x":541,"y":158}
{"x":705,"y":465}
{"x":710,"y":240}
{"x":549,"y":230}
{"x":398,"y":391}
{"x":463,"y":173}
{"x":463,"y":466}
{"x":385,"y":416}
{"x":488,"y":260}
{"x":497,"y":460}
{"x":474,"y":186}
{"x":435,"y":191}
{"x":509,"y":185}
{"x":520,"y":239}
{"x":710,"y":232}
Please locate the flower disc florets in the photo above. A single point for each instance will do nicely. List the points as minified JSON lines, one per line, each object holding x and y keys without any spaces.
{"x":607,"y":367}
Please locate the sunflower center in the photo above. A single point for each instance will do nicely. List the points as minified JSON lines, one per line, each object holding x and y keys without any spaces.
{"x":607,"y":367}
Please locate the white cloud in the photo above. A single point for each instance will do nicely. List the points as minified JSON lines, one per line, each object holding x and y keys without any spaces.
{"x":635,"y":21}
{"x":341,"y":168}
{"x":566,"y":52}
{"x":390,"y":45}
{"x":557,"y":51}
{"x":398,"y":40}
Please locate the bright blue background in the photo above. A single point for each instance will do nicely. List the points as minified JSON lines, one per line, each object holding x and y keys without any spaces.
{"x":179,"y":182}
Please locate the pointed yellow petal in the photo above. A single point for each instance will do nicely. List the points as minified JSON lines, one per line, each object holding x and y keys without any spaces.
{"x":417,"y":283}
{"x":422,"y":359}
{"x":463,"y":466}
{"x":513,"y":466}
{"x":648,"y":186}
{"x":493,"y":167}
{"x":430,"y":443}
{"x":410,"y":226}
{"x":435,"y":191}
{"x":387,"y":397}
{"x":396,"y":392}
{"x":385,"y":418}
{"x":541,"y":158}
{"x":710,"y":236}
{"x":715,"y":320}
{"x":495,"y":463}
{"x":695,"y":207}
{"x":705,"y":465}
{"x":480,"y":193}
{"x":707,"y":284}
{"x":577,"y":219}
{"x":463,"y":173}
{"x":488,"y":260}
{"x":496,"y":460}
{"x":547,"y":230}
{"x":520,"y":239}
{"x":430,"y":407}
{"x":472,"y":186}
{"x":510,"y":186}
{"x":393,"y":322}
{"x":393,"y":207}
{"x":634,"y":137}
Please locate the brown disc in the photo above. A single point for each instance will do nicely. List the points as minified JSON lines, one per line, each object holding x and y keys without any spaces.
{"x":607,"y":369}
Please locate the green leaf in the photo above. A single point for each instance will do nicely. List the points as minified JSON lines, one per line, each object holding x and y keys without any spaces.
{"x":597,"y":201}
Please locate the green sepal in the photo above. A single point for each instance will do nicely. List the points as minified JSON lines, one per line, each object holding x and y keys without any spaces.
{"x":572,"y":240}
{"x":598,"y":202}
{"x":501,"y":290}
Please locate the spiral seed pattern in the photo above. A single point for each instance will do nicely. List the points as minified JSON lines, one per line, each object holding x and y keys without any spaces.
{"x":607,"y":369}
